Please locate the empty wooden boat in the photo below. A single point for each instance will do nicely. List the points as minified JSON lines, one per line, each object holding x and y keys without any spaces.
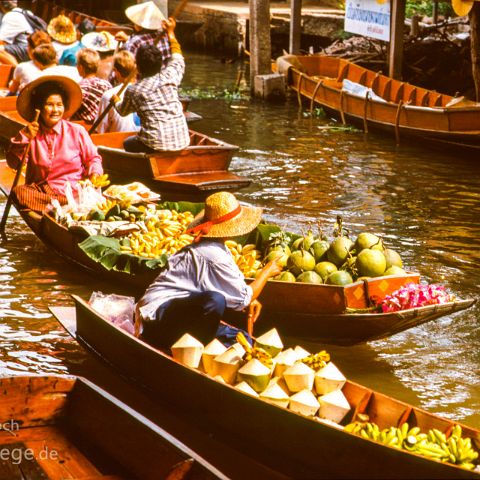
{"x":303,"y":446}
{"x":56,"y":427}
{"x":377,"y":101}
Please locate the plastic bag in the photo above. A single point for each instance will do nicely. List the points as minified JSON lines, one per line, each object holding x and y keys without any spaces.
{"x":119,"y":309}
{"x":360,"y":90}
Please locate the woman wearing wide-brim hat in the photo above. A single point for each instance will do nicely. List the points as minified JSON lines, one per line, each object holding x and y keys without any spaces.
{"x":202,"y":283}
{"x":147,"y":20}
{"x":60,"y":152}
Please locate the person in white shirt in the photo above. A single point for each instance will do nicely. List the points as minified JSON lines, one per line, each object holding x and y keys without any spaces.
{"x":123,"y":67}
{"x":14,"y":30}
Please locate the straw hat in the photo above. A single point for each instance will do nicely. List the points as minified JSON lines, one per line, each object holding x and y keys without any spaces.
{"x":25,"y":105}
{"x":100,"y":41}
{"x":146,"y":15}
{"x":62,"y":29}
{"x":223,"y":216}
{"x":462,"y":7}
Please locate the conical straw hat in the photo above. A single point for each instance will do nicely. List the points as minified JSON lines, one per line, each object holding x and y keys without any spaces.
{"x":146,"y":15}
{"x":62,"y":29}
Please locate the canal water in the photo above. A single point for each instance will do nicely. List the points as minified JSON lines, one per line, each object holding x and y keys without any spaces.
{"x":305,"y":170}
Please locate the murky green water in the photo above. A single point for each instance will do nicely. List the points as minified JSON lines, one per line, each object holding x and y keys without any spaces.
{"x":425,"y":203}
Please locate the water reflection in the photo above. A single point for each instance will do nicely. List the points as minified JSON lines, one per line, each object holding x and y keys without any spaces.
{"x":424,"y":203}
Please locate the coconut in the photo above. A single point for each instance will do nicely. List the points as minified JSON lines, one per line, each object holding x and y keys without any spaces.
{"x":280,"y":381}
{"x":256,"y":374}
{"x":368,"y":240}
{"x":319,"y":249}
{"x":239,"y":349}
{"x":281,"y":257}
{"x":284,"y":360}
{"x":394,"y":270}
{"x":300,"y":352}
{"x":340,"y":277}
{"x":328,"y":379}
{"x":338,"y":251}
{"x":324,"y":269}
{"x":304,"y":402}
{"x":219,"y":378}
{"x":270,"y":342}
{"x":212,"y":350}
{"x":371,"y":263}
{"x":285,"y":277}
{"x":227,"y":364}
{"x":276,"y":395}
{"x":392,"y":258}
{"x":300,"y":261}
{"x":299,"y":377}
{"x":333,"y":406}
{"x":246,"y":388}
{"x":309,"y":277}
{"x":187,"y":350}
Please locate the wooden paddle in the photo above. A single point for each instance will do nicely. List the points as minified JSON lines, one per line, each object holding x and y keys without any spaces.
{"x":125,"y":84}
{"x":15,"y":181}
{"x":179,"y":9}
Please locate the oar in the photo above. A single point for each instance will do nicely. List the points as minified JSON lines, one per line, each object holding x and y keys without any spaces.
{"x":125,"y":84}
{"x":15,"y":181}
{"x":179,"y":9}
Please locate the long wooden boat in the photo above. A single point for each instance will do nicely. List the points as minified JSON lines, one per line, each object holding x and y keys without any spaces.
{"x":301,"y":446}
{"x":403,"y":110}
{"x":66,"y":427}
{"x":304,"y":312}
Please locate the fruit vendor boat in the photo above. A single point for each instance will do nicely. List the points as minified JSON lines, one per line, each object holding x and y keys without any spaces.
{"x":382,"y":102}
{"x":306,"y":312}
{"x":66,"y":427}
{"x":298,"y":445}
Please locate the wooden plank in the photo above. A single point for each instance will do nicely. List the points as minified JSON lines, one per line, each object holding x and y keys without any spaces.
{"x":295,"y":26}
{"x":18,"y":462}
{"x":395,"y":58}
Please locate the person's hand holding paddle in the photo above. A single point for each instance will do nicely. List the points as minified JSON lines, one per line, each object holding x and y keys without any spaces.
{"x":121,"y":36}
{"x":169,"y":26}
{"x":31,"y":129}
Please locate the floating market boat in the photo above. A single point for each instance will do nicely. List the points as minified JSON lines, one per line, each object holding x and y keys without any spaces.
{"x":373,"y":100}
{"x":66,"y":427}
{"x":305,"y":312}
{"x":320,"y":448}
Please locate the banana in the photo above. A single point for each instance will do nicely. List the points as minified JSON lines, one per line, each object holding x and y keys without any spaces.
{"x":457,"y":431}
{"x":452,"y":445}
{"x":404,"y":430}
{"x":439,"y":435}
{"x":414,"y":431}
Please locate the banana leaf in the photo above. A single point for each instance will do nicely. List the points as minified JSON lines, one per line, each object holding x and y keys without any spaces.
{"x":181,"y":207}
{"x":104,"y":250}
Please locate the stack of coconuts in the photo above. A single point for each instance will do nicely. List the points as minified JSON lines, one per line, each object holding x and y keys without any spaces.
{"x":309,"y":384}
{"x":313,"y":259}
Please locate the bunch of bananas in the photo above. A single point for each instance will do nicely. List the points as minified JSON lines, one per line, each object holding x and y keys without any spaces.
{"x":246,"y":257}
{"x":163,"y":234}
{"x":317,"y":360}
{"x":434,"y":444}
{"x":254,"y":352}
{"x":97,"y":181}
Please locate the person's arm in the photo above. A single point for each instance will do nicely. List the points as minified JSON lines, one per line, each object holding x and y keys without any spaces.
{"x":271,"y":269}
{"x":125,"y":106}
{"x":169,"y":26}
{"x":19,"y":143}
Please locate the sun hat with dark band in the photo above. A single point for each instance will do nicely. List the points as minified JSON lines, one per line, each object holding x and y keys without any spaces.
{"x":100,"y":41}
{"x":146,"y":15}
{"x":62,"y":29}
{"x":224,"y":217}
{"x":26,"y":108}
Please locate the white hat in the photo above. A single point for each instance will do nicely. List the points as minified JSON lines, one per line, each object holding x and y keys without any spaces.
{"x":100,"y":41}
{"x":146,"y":15}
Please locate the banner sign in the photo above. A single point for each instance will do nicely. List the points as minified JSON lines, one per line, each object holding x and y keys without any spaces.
{"x":370,"y":18}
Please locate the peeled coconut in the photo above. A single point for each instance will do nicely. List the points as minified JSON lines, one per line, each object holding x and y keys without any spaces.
{"x":328,"y":379}
{"x":246,"y":388}
{"x":333,"y":406}
{"x":324,"y":269}
{"x":392,"y":258}
{"x":301,"y":352}
{"x":338,"y":251}
{"x":340,"y":277}
{"x":276,"y":395}
{"x":309,"y":277}
{"x":256,"y":374}
{"x":270,"y":342}
{"x":280,"y":381}
{"x":371,"y":263}
{"x":212,"y":350}
{"x":238,"y":347}
{"x":227,"y":364}
{"x":394,"y":270}
{"x":300,"y":261}
{"x":285,"y":277}
{"x":299,"y":377}
{"x":304,"y":402}
{"x":284,"y":360}
{"x":187,"y":350}
{"x":368,"y":240}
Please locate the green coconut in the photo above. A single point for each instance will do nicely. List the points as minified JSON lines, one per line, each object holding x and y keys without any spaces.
{"x":371,"y":263}
{"x":286,"y":277}
{"x":340,"y":277}
{"x":392,"y":258}
{"x":324,"y":269}
{"x":319,"y":249}
{"x":368,"y":240}
{"x":338,"y":251}
{"x":296,"y":245}
{"x":394,"y":270}
{"x":256,"y":374}
{"x":300,"y":261}
{"x":270,"y":342}
{"x":280,"y":248}
{"x":309,"y":277}
{"x":282,"y":257}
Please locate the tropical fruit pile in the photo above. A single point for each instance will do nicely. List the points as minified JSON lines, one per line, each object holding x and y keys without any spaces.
{"x":247,"y":257}
{"x":309,"y":384}
{"x":434,"y":444}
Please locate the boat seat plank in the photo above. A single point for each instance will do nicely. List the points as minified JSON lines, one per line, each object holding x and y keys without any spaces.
{"x":20,"y":464}
{"x":203,"y":181}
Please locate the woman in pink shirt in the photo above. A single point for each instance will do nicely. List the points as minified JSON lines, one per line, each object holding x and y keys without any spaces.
{"x":60,"y":152}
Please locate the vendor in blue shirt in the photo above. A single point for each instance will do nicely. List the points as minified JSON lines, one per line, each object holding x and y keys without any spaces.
{"x":202,"y":283}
